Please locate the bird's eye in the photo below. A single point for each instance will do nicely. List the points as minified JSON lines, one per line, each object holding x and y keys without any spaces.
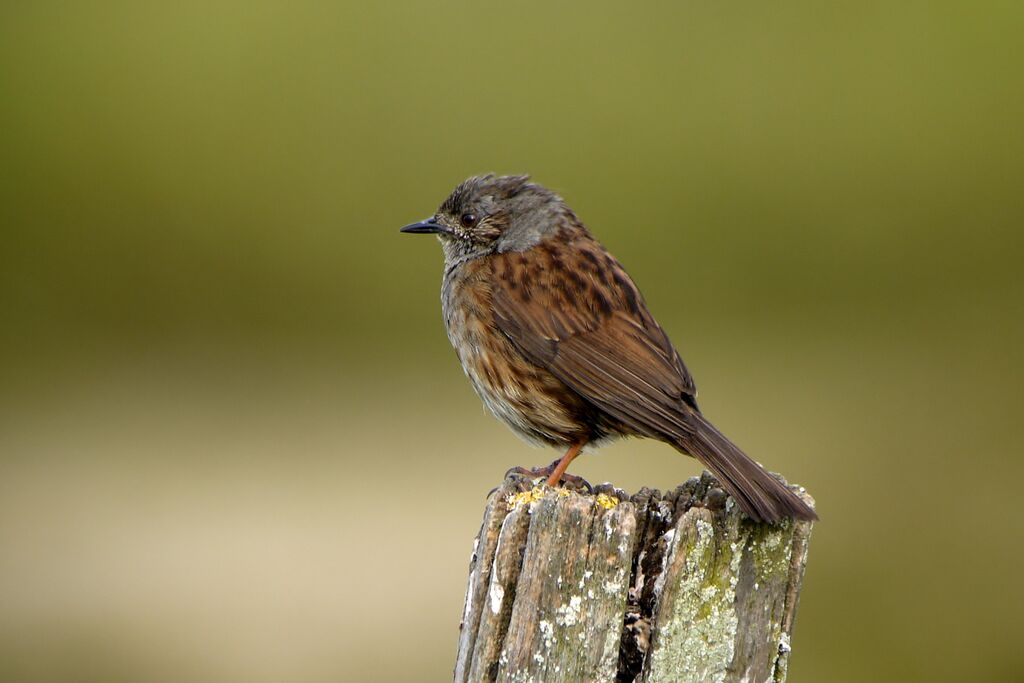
{"x":468,"y":220}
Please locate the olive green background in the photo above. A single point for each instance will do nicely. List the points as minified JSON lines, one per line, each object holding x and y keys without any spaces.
{"x":234,"y":442}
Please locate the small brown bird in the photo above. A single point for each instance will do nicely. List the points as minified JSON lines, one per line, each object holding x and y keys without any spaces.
{"x":558,"y":342}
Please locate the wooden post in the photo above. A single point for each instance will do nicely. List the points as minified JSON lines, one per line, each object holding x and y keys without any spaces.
{"x":575,"y":586}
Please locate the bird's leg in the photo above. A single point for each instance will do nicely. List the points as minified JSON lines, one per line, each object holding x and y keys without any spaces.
{"x":563,"y":464}
{"x":556,"y":471}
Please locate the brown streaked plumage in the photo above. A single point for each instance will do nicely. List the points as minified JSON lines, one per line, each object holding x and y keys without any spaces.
{"x":557,"y":341}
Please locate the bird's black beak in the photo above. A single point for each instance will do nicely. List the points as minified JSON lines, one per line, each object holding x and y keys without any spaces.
{"x":427,"y":227}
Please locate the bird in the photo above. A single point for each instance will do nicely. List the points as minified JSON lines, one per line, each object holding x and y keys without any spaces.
{"x":559,"y":344}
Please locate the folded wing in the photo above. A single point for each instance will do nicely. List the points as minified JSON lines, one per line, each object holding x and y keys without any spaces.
{"x":597,"y":337}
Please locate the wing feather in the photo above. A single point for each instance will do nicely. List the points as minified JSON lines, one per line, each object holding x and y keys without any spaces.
{"x":616,"y":356}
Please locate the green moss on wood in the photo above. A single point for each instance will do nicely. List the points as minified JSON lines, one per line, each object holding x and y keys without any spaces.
{"x":696,"y":626}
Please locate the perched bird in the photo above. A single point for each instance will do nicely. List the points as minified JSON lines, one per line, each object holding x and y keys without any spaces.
{"x":558,"y":342}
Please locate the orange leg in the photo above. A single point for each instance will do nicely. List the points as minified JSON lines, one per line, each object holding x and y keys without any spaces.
{"x":563,"y":464}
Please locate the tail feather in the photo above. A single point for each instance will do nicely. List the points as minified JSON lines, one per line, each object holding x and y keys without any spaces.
{"x":763,"y":497}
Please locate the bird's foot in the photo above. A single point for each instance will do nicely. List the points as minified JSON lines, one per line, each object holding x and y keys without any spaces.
{"x":537,"y":475}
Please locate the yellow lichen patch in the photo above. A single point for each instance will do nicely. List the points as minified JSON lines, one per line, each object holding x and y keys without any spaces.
{"x":514,"y":500}
{"x":563,"y":493}
{"x":606,"y":501}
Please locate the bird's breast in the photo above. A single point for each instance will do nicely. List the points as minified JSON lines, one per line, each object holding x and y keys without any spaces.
{"x":529,"y":399}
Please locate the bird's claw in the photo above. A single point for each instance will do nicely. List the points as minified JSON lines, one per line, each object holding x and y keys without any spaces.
{"x":537,"y":475}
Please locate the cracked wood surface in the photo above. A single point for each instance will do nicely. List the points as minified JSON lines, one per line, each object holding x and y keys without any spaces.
{"x":576,"y":586}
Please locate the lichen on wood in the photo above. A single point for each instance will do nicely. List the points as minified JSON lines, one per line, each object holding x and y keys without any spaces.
{"x":600,"y":586}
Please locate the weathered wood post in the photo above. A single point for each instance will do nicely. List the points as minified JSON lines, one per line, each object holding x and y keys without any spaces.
{"x":571,"y":586}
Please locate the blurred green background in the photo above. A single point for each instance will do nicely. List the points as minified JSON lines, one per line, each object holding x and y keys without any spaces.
{"x":234,"y":442}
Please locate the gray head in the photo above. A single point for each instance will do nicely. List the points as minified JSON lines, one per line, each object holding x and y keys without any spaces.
{"x":488,"y":214}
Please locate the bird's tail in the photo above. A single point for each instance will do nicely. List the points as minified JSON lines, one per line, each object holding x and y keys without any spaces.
{"x":761,"y":495}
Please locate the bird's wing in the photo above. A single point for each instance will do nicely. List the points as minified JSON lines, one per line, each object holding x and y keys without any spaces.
{"x":589,"y":327}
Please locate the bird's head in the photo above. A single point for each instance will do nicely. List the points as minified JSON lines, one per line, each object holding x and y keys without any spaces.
{"x":488,"y":214}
